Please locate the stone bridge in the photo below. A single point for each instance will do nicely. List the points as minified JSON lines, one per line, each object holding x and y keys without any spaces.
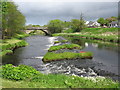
{"x":44,"y":29}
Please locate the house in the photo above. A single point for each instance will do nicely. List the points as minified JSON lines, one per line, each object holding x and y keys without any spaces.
{"x":113,"y":24}
{"x":92,"y":24}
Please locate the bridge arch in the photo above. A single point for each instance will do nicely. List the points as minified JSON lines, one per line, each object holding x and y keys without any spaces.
{"x":44,"y":29}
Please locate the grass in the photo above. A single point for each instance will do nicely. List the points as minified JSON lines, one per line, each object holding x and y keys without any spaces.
{"x":20,"y":36}
{"x":50,"y":56}
{"x":62,"y":41}
{"x":54,"y":80}
{"x":10,"y":44}
{"x":65,"y":46}
{"x":6,"y":52}
{"x":105,"y":34}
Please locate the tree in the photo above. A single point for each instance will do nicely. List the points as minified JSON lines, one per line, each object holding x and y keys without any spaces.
{"x":75,"y":25}
{"x":12,"y":19}
{"x":111,"y":19}
{"x":78,"y":24}
{"x":102,"y":21}
{"x":82,"y":23}
{"x":55,"y":26}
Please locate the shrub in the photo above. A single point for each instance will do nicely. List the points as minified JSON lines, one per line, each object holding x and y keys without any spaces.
{"x":21,"y":72}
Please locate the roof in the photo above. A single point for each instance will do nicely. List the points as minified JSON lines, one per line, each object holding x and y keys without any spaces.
{"x":114,"y":22}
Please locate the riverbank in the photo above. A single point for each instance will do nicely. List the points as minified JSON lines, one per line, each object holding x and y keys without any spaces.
{"x":69,"y":52}
{"x":7,"y":46}
{"x":104,"y":34}
{"x":24,"y":76}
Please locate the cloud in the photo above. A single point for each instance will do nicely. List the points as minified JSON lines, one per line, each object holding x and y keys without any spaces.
{"x":42,"y":12}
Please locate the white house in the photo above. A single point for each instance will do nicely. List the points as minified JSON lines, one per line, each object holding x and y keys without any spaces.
{"x":92,"y":24}
{"x":114,"y":24}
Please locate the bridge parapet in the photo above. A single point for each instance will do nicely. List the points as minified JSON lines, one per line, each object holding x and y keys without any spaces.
{"x":37,"y":28}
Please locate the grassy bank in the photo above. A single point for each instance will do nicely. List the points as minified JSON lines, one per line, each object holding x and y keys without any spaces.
{"x":27,"y":77}
{"x":64,"y":46}
{"x":7,"y":46}
{"x":105,"y":34}
{"x":50,"y":56}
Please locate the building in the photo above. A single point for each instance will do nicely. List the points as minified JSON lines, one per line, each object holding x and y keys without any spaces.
{"x":113,"y":24}
{"x":92,"y":24}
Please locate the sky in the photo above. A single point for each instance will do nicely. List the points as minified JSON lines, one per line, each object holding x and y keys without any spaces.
{"x":40,"y":12}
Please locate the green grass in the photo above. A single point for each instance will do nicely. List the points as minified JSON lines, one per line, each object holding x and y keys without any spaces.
{"x":20,"y":36}
{"x":105,"y":34}
{"x":100,"y":30}
{"x":9,"y":44}
{"x":65,"y":46}
{"x":55,"y":42}
{"x":50,"y":56}
{"x":62,"y":41}
{"x":51,"y":80}
{"x":6,"y":52}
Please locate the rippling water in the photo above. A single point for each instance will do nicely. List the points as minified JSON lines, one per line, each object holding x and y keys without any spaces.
{"x":105,"y":61}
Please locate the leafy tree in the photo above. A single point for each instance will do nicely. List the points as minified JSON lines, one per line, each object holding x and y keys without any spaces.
{"x":12,"y":20}
{"x":67,"y":24}
{"x":75,"y":25}
{"x":78,"y":24}
{"x":111,"y":19}
{"x":55,"y":26}
{"x":102,"y":21}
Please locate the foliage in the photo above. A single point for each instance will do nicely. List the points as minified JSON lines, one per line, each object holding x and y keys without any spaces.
{"x":12,"y":19}
{"x":9,"y":44}
{"x":64,"y":41}
{"x":68,"y":31}
{"x":5,"y":52}
{"x":67,"y":24}
{"x":56,"y":42}
{"x":78,"y":25}
{"x":111,"y":19}
{"x":20,"y":36}
{"x":65,"y":46}
{"x":66,"y":55}
{"x":104,"y":34}
{"x":102,"y":21}
{"x":61,"y":41}
{"x":30,"y":78}
{"x":21,"y":72}
{"x":55,"y":26}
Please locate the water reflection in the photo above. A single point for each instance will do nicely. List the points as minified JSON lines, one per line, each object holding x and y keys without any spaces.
{"x":104,"y":52}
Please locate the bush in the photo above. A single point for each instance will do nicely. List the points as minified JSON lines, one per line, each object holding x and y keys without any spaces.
{"x":21,"y":72}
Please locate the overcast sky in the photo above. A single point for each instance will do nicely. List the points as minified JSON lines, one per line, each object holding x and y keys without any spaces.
{"x":40,"y":12}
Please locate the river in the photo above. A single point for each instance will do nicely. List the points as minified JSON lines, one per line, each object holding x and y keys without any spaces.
{"x":104,"y":63}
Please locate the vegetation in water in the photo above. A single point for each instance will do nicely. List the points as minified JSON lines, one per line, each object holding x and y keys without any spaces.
{"x":65,"y":46}
{"x":61,"y":41}
{"x":51,"y":56}
{"x":27,"y":77}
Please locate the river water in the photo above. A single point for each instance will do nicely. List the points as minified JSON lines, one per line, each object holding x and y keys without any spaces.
{"x":104,"y":63}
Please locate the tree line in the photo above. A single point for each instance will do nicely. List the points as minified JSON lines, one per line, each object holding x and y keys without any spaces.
{"x":13,"y":21}
{"x":75,"y":25}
